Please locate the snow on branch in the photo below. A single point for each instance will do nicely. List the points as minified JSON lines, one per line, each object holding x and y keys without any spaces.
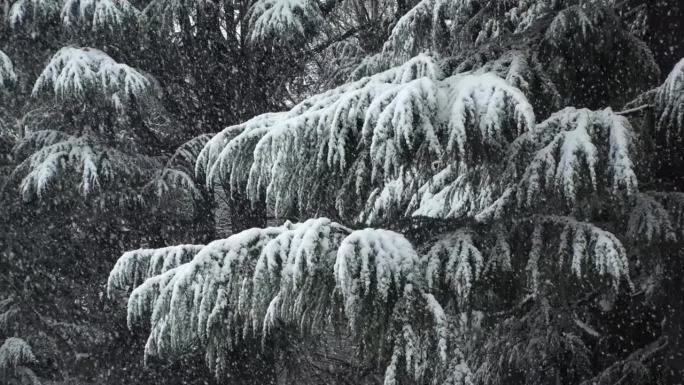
{"x":387,"y":202}
{"x":78,"y":74}
{"x":487,"y":104}
{"x":302,"y":274}
{"x":454,"y":27}
{"x":170,"y":179}
{"x":586,"y":247}
{"x":47,"y":164}
{"x":656,"y":217}
{"x":292,"y":280}
{"x":649,"y":221}
{"x":282,"y":20}
{"x":7,"y":75}
{"x":431,"y":26}
{"x":134,"y":267}
{"x":259,"y":155}
{"x":99,"y":15}
{"x":669,"y":102}
{"x":213,"y":162}
{"x":454,"y":263}
{"x":82,"y":157}
{"x":577,"y":21}
{"x":379,"y":275}
{"x":297,"y":274}
{"x":14,"y":353}
{"x":409,"y":141}
{"x":375,"y":265}
{"x":406,"y":120}
{"x":460,"y":191}
{"x":83,"y":146}
{"x":186,"y":155}
{"x":35,"y":140}
{"x":198,"y":303}
{"x":141,"y":302}
{"x":522,"y":69}
{"x":413,"y":34}
{"x":542,"y":334}
{"x":581,"y":150}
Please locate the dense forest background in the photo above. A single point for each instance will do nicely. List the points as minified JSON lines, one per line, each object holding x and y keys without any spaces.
{"x":521,"y":163}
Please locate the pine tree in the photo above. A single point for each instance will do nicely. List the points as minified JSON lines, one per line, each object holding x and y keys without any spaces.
{"x":84,"y":142}
{"x":517,"y":161}
{"x":526,"y":227}
{"x":15,"y":356}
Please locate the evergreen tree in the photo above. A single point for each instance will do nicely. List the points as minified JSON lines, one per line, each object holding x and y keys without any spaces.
{"x":476,"y":192}
{"x":528,"y":228}
{"x":15,"y":354}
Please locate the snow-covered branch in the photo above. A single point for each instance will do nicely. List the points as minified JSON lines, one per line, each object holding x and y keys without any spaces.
{"x":7,"y":75}
{"x":77,"y":74}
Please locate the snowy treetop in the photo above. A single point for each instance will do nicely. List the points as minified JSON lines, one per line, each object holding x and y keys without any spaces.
{"x":99,"y":15}
{"x":79,"y":147}
{"x":81,"y":73}
{"x":32,"y":11}
{"x":91,"y":15}
{"x":282,"y":20}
